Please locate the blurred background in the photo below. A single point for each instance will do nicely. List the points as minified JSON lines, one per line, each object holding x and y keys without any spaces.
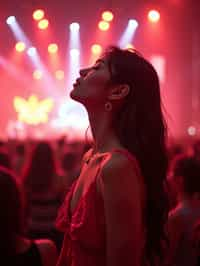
{"x":44,"y":44}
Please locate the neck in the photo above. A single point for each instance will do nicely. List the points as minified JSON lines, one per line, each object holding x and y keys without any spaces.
{"x":104,"y":137}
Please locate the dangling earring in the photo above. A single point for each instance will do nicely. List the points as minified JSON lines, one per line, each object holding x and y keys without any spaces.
{"x":108,"y":106}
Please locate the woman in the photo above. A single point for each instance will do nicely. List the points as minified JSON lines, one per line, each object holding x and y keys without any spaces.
{"x":15,"y":249}
{"x":185,"y":181}
{"x":44,"y":193}
{"x":115,"y":212}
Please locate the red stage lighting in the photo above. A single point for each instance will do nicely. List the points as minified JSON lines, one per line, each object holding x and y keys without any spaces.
{"x":37,"y":74}
{"x":96,"y":49}
{"x":104,"y":25}
{"x":107,"y":16}
{"x":38,"y":14}
{"x":20,"y":47}
{"x":59,"y":74}
{"x":43,"y":24}
{"x":153,"y":16}
{"x":52,"y":48}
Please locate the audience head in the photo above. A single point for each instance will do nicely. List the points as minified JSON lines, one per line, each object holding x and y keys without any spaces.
{"x":186,"y":175}
{"x":196,"y":149}
{"x":41,"y":168}
{"x":69,"y":161}
{"x":12,"y":211}
{"x":20,"y":149}
{"x":5,"y":160}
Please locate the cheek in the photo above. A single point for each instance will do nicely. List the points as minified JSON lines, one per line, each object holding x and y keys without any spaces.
{"x":96,"y":82}
{"x":92,"y":89}
{"x":89,"y":95}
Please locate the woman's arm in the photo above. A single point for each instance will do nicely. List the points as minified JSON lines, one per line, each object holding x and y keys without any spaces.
{"x":122,"y":197}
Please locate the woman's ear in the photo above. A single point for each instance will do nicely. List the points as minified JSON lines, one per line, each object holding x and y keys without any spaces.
{"x":119,"y":92}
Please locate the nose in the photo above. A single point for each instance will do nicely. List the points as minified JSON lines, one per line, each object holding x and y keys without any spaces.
{"x":84,"y":71}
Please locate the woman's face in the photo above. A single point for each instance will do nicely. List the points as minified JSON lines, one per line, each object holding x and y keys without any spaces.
{"x":92,"y":88}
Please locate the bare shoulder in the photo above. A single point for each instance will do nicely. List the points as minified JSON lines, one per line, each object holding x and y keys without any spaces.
{"x":120,"y":175}
{"x":119,"y":165}
{"x":48,"y":251}
{"x":121,"y":193}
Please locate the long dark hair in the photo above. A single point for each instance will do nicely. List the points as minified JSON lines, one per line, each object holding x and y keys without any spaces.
{"x":141,"y":129}
{"x":40,"y":170}
{"x":12,"y":212}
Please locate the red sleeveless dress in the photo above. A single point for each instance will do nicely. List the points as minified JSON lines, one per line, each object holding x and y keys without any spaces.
{"x":84,"y":243}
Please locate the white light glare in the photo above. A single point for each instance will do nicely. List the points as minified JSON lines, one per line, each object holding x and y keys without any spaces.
{"x":10,"y":20}
{"x":133,"y":23}
{"x":74,"y":52}
{"x":192,"y":131}
{"x":74,"y":26}
{"x":31,"y":51}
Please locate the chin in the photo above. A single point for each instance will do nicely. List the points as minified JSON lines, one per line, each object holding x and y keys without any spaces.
{"x":74,"y":96}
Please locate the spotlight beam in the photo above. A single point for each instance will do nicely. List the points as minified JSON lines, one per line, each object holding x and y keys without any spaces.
{"x":17,"y":31}
{"x":128,"y":34}
{"x":74,"y":53}
{"x":13,"y":71}
{"x":38,"y":64}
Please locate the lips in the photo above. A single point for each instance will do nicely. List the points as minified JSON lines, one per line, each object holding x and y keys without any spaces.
{"x":77,"y":82}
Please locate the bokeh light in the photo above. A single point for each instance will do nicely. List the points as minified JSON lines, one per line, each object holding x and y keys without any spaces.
{"x":20,"y":47}
{"x":107,"y":16}
{"x":43,"y":24}
{"x":96,"y":49}
{"x":59,"y":74}
{"x":52,"y":48}
{"x":103,"y":25}
{"x":153,"y":16}
{"x":74,"y":26}
{"x":192,"y":131}
{"x":38,"y":14}
{"x":130,"y":46}
{"x":37,"y":74}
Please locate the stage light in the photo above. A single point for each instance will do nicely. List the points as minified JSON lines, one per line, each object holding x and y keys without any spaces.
{"x":192,"y":131}
{"x":107,"y":16}
{"x":74,"y":52}
{"x":38,"y":14}
{"x":20,"y":47}
{"x":59,"y":74}
{"x":52,"y":48}
{"x":37,"y":74}
{"x":96,"y":49}
{"x":10,"y":20}
{"x":153,"y":16}
{"x":33,"y":111}
{"x":43,"y":24}
{"x":31,"y":51}
{"x":104,"y":25}
{"x":128,"y":34}
{"x":133,"y":23}
{"x":74,"y":26}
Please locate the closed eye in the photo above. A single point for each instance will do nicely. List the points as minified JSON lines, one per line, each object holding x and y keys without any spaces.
{"x":98,"y":64}
{"x":96,"y":67}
